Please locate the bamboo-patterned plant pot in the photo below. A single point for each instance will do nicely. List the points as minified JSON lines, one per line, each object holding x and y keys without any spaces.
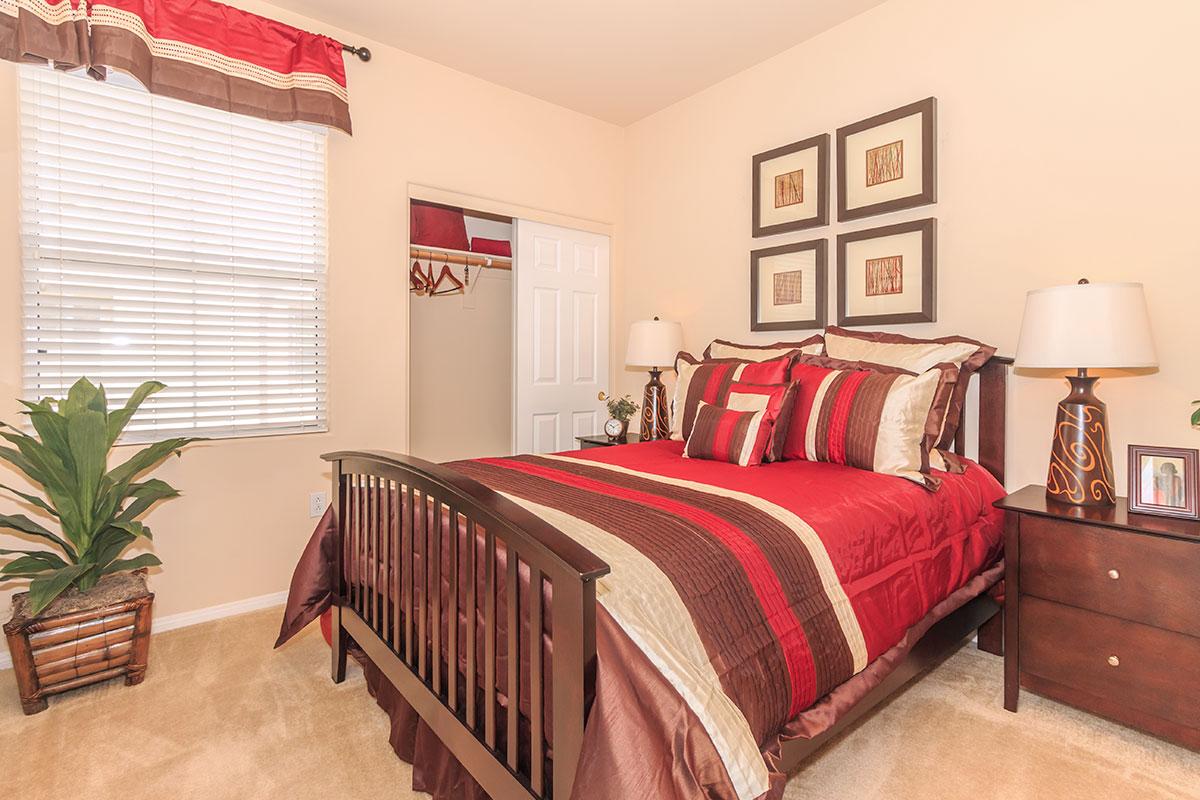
{"x":81,"y":638}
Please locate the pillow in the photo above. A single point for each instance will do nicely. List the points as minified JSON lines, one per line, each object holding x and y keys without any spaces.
{"x":710,"y":381}
{"x":719,"y":348}
{"x":916,"y":355}
{"x":865,"y":418}
{"x":776,"y":399}
{"x":721,"y":434}
{"x":437,"y":226}
{"x":492,"y":247}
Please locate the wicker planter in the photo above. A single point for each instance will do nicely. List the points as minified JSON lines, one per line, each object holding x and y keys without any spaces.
{"x":81,"y":638}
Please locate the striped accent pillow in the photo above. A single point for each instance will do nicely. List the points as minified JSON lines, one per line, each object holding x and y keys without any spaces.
{"x":777,"y":400}
{"x":709,"y":381}
{"x":721,"y":434}
{"x":866,"y":419}
{"x":916,"y":355}
{"x":720,"y":348}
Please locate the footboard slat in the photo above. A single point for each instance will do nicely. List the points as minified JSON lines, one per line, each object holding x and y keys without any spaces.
{"x":399,"y":597}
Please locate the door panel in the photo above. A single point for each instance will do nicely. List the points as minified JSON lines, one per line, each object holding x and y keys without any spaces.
{"x":562,"y":336}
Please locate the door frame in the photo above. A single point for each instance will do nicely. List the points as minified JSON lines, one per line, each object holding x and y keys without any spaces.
{"x":431,"y":194}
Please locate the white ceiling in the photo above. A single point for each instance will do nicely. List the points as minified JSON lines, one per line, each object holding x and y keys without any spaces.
{"x":618,"y":60}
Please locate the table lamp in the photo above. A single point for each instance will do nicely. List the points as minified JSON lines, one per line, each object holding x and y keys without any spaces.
{"x":1084,"y":326}
{"x":654,"y":343}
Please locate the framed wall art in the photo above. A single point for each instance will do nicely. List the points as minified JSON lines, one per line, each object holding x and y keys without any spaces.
{"x":1164,"y":481}
{"x":790,"y":187}
{"x":789,"y":286}
{"x":888,"y":162}
{"x":888,"y":275}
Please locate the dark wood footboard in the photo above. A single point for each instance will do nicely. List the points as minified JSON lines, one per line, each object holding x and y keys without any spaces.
{"x":428,"y":561}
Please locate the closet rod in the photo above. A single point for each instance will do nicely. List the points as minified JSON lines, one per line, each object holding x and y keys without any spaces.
{"x":459,"y":257}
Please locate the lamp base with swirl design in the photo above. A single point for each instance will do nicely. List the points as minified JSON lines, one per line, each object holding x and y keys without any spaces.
{"x":1081,"y":467}
{"x":655,"y":424}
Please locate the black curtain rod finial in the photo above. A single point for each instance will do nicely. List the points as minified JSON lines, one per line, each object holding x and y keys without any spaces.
{"x":362,"y":52}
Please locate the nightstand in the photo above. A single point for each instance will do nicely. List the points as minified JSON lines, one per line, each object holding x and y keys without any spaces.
{"x":1102,"y":612}
{"x":600,"y":440}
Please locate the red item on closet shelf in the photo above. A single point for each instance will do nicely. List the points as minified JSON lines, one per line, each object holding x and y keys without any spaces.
{"x":492,"y":247}
{"x":437,"y":226}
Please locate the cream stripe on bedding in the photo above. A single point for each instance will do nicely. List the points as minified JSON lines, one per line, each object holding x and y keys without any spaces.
{"x":642,"y":600}
{"x":808,"y":537}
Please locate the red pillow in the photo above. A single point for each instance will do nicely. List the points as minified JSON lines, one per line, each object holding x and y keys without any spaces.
{"x":777,"y":399}
{"x":719,"y":434}
{"x":710,"y":381}
{"x":437,"y":226}
{"x":492,"y":247}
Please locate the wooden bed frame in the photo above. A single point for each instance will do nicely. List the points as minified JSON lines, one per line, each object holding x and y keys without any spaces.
{"x":393,"y":628}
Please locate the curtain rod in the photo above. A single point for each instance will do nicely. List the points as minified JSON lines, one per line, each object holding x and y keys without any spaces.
{"x":362,"y":52}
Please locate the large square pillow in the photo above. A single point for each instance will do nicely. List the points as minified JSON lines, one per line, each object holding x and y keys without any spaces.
{"x":866,"y":418}
{"x":916,"y":355}
{"x":777,"y":400}
{"x":709,"y":381}
{"x":722,"y":434}
{"x":720,"y":348}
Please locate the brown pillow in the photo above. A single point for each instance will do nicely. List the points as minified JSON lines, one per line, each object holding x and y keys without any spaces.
{"x":710,"y":380}
{"x":721,"y":348}
{"x":916,"y":355}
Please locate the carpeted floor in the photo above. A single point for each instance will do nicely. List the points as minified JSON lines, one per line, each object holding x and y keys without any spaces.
{"x":222,"y":716}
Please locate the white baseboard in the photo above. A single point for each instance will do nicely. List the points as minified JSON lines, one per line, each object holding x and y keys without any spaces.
{"x":174,"y":621}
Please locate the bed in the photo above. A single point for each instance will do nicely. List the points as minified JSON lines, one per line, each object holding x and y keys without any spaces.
{"x":623,"y":622}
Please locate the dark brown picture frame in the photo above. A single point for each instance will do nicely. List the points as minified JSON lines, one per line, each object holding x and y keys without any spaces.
{"x":820,"y":142}
{"x":927,"y":108}
{"x":928,"y":312}
{"x":1191,"y":481}
{"x":821,"y":250}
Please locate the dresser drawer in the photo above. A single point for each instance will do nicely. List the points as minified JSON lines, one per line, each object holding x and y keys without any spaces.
{"x":1148,"y":579}
{"x":1154,"y":671}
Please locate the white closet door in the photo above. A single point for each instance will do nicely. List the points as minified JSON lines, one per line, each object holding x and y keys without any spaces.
{"x":562,"y":293}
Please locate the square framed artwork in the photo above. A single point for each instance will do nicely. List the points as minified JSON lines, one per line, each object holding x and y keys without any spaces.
{"x":1164,"y":481}
{"x":888,"y":162}
{"x":888,"y":275}
{"x":790,"y":187}
{"x":789,"y":286}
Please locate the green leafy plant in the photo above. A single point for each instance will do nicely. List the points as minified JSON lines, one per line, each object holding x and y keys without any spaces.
{"x":1196,"y":414}
{"x":96,"y":508}
{"x":622,"y":408}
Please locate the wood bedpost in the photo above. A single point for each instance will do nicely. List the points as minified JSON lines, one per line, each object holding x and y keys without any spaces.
{"x":337,"y":639}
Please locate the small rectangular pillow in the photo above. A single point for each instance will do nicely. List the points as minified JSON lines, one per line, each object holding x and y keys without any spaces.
{"x":721,"y":434}
{"x":916,"y":355}
{"x":709,"y":381}
{"x":777,"y":400}
{"x":720,"y":348}
{"x":867,"y":419}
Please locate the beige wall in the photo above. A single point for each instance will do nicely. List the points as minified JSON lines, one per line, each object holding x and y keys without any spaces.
{"x":244,"y":518}
{"x":1065,"y":136}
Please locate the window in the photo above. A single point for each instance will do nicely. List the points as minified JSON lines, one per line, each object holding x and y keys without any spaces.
{"x":163,"y":240}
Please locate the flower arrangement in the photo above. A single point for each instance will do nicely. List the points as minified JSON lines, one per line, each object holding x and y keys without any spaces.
{"x":622,"y":408}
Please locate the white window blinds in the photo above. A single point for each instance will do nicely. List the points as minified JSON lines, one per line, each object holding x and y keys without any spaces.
{"x":167,"y":241}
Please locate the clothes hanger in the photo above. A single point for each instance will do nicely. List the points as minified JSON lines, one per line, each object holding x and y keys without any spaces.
{"x":417,"y":280}
{"x":447,"y":274}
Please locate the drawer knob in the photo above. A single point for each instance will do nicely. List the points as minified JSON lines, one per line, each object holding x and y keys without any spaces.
{"x":1114,"y":574}
{"x":1113,"y":661}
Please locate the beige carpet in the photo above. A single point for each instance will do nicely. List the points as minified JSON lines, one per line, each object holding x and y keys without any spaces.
{"x":222,"y":716}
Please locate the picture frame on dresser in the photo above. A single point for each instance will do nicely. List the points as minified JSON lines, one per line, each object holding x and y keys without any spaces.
{"x":789,"y":286}
{"x":888,"y":275}
{"x":888,"y":162}
{"x":790,"y":187}
{"x":1164,"y":481}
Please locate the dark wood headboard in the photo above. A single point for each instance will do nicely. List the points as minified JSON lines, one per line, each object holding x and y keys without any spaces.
{"x":993,"y":412}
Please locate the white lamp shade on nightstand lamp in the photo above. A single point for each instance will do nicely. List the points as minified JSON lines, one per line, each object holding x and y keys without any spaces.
{"x":1081,"y":327}
{"x":654,"y":343}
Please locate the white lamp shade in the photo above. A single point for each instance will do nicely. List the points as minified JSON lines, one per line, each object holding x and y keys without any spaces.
{"x":1087,"y":325}
{"x":653,"y":343}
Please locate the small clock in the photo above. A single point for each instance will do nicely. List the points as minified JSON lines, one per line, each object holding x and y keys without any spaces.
{"x":615,"y":429}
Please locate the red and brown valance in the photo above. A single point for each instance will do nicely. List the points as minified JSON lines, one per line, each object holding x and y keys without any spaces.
{"x":195,"y":50}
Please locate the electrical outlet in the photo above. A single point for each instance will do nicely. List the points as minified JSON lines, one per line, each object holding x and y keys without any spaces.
{"x":317,"y":503}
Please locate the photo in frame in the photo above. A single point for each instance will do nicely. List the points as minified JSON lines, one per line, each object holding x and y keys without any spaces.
{"x":790,"y":187}
{"x":888,"y":275}
{"x":888,"y":162}
{"x":789,"y":286}
{"x":1164,"y":481}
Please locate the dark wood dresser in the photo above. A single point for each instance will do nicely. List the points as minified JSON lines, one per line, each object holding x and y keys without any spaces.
{"x":1107,"y":612}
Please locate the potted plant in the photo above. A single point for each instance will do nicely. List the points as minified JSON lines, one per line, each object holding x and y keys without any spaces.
{"x":86,"y":616}
{"x":620,"y":411}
